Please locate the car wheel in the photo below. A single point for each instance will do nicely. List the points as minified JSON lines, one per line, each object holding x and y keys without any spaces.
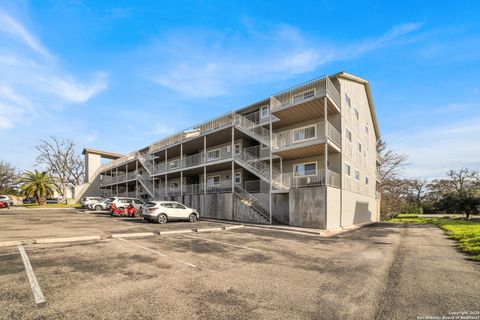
{"x":192,"y":217}
{"x":98,"y":208}
{"x":162,"y":218}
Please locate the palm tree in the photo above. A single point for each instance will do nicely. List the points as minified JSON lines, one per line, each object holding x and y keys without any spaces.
{"x":38,"y":185}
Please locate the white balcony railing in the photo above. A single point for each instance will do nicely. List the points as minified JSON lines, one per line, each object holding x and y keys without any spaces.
{"x":312,"y":178}
{"x":123,"y":177}
{"x":313,"y":89}
{"x":198,"y":130}
{"x":299,"y":137}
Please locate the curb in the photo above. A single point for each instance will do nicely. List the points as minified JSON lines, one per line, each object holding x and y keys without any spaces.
{"x":11,"y":243}
{"x":176,"y":231}
{"x":70,"y":239}
{"x":132,"y":235}
{"x":208,"y":229}
{"x":234,"y":227}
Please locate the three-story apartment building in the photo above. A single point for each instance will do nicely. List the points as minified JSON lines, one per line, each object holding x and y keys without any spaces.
{"x":304,"y":157}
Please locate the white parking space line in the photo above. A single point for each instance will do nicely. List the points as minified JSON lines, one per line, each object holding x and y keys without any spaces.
{"x":37,"y":292}
{"x":224,"y":243}
{"x":157,"y":253}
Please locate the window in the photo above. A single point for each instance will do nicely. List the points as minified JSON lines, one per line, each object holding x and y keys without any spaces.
{"x":348,"y":133}
{"x":305,"y":133}
{"x":228,"y":149}
{"x":347,"y":100}
{"x":264,"y":112}
{"x":366,"y":128}
{"x":357,"y":115}
{"x":238,"y":178}
{"x":357,"y":175}
{"x":348,"y":169}
{"x":174,"y":185}
{"x":366,"y":180}
{"x":238,"y":149}
{"x":215,"y":180}
{"x":305,"y":169}
{"x":264,"y":146}
{"x":359,"y":146}
{"x":138,"y":201}
{"x":167,"y":205}
{"x":173,"y":164}
{"x":304,"y":95}
{"x":213,"y":154}
{"x":178,"y":206}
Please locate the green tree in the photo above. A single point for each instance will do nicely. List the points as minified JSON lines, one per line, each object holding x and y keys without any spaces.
{"x":37,"y":184}
{"x":466,"y":203}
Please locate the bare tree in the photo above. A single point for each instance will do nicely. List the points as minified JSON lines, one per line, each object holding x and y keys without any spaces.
{"x":62,"y":162}
{"x":391,"y":166}
{"x":463,"y":180}
{"x":418,"y":190}
{"x":8,"y":176}
{"x":393,"y":188}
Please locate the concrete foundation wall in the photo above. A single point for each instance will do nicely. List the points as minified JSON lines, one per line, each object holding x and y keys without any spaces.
{"x":87,"y":190}
{"x":245,"y":213}
{"x":357,"y":208}
{"x":307,"y":207}
{"x":280,"y":208}
{"x":333,"y":208}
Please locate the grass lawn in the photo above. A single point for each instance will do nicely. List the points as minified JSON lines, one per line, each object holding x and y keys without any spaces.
{"x":467,"y":232}
{"x":51,"y":205}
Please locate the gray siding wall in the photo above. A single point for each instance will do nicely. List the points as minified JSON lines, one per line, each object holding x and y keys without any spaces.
{"x":307,"y":207}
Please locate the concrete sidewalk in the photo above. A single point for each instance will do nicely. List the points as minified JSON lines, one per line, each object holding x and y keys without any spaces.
{"x":293,"y":229}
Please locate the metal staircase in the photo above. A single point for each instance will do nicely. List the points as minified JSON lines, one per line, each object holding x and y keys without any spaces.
{"x":249,"y":200}
{"x":261,"y":169}
{"x":146,"y":183}
{"x":252,"y":129}
{"x":145,"y":160}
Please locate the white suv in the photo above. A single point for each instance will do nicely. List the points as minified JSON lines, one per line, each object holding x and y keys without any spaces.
{"x":162,"y":211}
{"x":86,"y":201}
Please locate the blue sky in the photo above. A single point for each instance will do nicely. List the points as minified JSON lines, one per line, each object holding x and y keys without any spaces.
{"x":119,"y":75}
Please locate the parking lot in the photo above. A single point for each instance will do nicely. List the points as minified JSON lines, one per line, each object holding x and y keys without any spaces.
{"x":378,"y":272}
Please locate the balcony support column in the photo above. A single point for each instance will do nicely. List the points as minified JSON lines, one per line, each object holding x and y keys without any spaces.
{"x":136,"y":179}
{"x":271,"y":164}
{"x":204,"y":173}
{"x":233,"y":171}
{"x":165,"y":170}
{"x":325,"y":153}
{"x":181,"y":171}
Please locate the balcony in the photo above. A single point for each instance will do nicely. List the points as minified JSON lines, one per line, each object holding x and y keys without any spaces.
{"x":193,"y":189}
{"x":304,"y":93}
{"x":223,"y":121}
{"x":312,"y":178}
{"x":219,"y":154}
{"x":286,"y":142}
{"x":107,"y":180}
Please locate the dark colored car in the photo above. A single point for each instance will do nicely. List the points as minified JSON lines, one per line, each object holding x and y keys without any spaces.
{"x":29,"y":200}
{"x":52,"y":200}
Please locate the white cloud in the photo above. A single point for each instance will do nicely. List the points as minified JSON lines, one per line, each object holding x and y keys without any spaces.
{"x":31,"y":79}
{"x":208,"y":64}
{"x":435,"y":150}
{"x":15,"y":29}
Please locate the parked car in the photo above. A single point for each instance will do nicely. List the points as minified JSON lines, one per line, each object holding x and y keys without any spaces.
{"x":86,"y":201}
{"x":163,"y":211}
{"x":4,"y":204}
{"x":52,"y":200}
{"x":124,"y":202}
{"x":6,"y":199}
{"x":29,"y":200}
{"x":99,"y":206}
